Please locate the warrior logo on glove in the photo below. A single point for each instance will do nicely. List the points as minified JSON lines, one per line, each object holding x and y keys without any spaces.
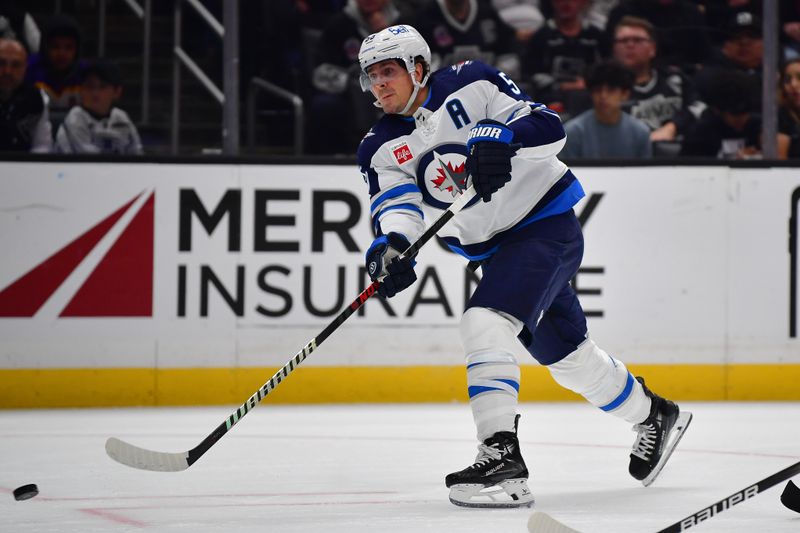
{"x":489,"y":153}
{"x":487,"y":132}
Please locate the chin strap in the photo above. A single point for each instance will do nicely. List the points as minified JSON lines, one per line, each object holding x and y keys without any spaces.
{"x":411,"y":98}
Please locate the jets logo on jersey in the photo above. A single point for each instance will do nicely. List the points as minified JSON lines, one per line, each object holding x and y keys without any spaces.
{"x":441,"y":175}
{"x":402,"y":153}
{"x":450,"y":178}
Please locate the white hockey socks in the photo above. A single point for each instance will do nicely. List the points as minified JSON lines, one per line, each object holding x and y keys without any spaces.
{"x":492,"y":370}
{"x":603,"y":381}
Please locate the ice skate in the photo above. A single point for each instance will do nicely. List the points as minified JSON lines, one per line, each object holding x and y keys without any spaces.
{"x":498,"y":478}
{"x":656,"y":437}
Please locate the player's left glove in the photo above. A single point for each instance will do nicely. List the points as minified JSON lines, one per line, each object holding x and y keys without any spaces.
{"x":489,"y":153}
{"x":384,"y":261}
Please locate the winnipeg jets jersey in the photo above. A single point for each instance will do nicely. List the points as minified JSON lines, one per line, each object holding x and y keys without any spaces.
{"x":414,"y":166}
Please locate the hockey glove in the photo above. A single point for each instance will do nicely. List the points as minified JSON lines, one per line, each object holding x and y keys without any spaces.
{"x":489,"y":153}
{"x":383,"y":263}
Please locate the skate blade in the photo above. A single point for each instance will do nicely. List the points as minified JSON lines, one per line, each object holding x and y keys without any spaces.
{"x":684,"y":419}
{"x":510,"y":493}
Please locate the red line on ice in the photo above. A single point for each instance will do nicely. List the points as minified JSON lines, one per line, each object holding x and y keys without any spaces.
{"x":114,"y":517}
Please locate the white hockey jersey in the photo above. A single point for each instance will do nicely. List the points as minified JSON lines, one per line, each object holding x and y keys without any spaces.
{"x":415,"y":165}
{"x":83,"y":133}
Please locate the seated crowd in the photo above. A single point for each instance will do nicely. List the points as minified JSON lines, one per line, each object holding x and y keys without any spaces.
{"x":54,"y":101}
{"x":629,"y":78}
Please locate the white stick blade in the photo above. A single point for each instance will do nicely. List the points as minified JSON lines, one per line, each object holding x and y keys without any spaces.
{"x":136,"y":457}
{"x":540,"y":522}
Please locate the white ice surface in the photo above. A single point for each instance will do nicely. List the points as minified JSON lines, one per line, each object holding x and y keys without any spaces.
{"x":381,"y":468}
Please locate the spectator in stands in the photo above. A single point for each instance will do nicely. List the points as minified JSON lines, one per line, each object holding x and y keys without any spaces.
{"x":789,"y":18}
{"x":743,"y":45}
{"x":742,"y":50}
{"x":340,"y":112}
{"x":458,"y":30}
{"x":56,"y":69}
{"x":559,"y":53}
{"x":24,"y":123}
{"x":683,"y":36}
{"x":718,"y":12}
{"x":661,"y":97}
{"x":729,"y":128}
{"x":96,"y":126}
{"x":789,"y":111}
{"x":16,"y":23}
{"x":606,"y":130}
{"x":522,"y":15}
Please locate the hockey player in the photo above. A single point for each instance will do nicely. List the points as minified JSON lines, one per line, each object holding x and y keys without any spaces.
{"x":470,"y":123}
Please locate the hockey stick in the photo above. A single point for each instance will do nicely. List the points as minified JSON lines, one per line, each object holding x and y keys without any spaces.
{"x":544,"y":523}
{"x":137,"y":457}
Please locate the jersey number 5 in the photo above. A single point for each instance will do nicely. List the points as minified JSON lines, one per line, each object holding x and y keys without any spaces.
{"x":511,"y":85}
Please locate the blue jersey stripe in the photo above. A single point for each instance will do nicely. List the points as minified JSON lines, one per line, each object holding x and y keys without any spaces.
{"x":616,"y":402}
{"x":510,"y":382}
{"x":408,"y":207}
{"x":560,"y":199}
{"x":562,"y":203}
{"x":394,"y":193}
{"x":475,"y":390}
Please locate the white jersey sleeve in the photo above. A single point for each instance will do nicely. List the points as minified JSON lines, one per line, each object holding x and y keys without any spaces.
{"x":395,"y":198}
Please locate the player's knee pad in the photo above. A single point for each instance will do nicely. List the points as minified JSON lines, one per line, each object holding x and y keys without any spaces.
{"x":602,"y":380}
{"x":485,"y":330}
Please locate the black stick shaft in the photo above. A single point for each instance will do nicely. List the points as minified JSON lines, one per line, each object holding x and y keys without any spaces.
{"x":735,"y":498}
{"x":198,"y":451}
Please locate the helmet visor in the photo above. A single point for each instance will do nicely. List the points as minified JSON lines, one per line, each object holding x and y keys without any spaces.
{"x":380,"y":73}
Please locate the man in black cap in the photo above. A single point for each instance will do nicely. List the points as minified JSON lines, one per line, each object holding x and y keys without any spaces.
{"x":742,"y":50}
{"x":96,"y":126}
{"x":743,"y":47}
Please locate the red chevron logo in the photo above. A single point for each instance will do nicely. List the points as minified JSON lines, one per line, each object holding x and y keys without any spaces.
{"x":120,"y":285}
